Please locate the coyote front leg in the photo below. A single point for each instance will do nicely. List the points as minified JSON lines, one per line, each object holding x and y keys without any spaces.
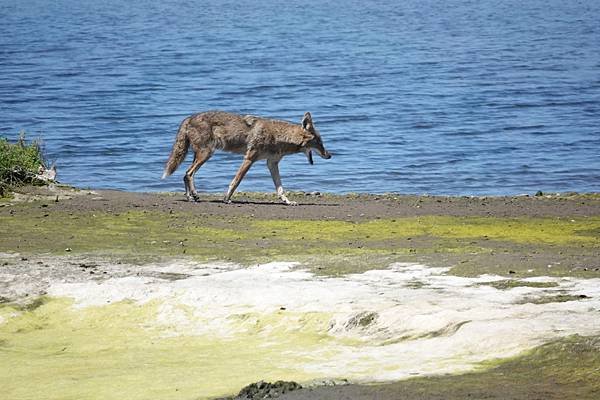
{"x":248,"y":161}
{"x":274,"y":168}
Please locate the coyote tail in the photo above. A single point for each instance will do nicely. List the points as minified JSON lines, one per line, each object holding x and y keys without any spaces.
{"x":180,"y":149}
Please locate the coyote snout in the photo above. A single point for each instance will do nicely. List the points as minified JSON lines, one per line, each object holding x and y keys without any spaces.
{"x":255,"y":137}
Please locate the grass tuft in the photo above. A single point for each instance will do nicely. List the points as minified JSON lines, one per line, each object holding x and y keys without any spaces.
{"x":19,"y":163}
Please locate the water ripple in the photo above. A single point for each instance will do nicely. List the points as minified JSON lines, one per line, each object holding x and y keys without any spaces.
{"x":446,"y":97}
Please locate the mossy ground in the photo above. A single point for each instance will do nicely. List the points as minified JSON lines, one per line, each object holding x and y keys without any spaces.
{"x":563,"y":369}
{"x":516,"y":247}
{"x":112,"y":351}
{"x":510,"y":283}
{"x":54,"y":351}
{"x":471,"y":245}
{"x":557,"y":298}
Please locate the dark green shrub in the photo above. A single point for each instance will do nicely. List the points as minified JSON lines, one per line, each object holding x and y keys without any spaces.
{"x":20,"y":163}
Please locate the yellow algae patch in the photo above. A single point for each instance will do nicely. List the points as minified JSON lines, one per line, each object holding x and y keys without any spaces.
{"x":340,"y":247}
{"x":523,"y":230}
{"x":224,"y":327}
{"x":118,"y":351}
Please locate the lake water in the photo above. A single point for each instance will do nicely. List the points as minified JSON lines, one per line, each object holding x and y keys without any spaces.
{"x":439,"y":97}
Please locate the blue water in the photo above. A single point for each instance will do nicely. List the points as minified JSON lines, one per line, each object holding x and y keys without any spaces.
{"x":412,"y":96}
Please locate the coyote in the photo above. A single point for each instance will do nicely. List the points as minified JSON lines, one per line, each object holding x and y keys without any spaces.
{"x":255,"y":137}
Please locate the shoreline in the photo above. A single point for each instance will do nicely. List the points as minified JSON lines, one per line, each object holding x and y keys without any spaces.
{"x":61,"y":234}
{"x":352,"y":207}
{"x":556,"y":235}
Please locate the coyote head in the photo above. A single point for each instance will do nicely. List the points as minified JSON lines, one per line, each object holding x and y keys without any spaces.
{"x":315,"y":143}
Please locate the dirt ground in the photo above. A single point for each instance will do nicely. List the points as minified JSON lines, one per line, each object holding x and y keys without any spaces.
{"x":50,"y":220}
{"x":316,"y":206}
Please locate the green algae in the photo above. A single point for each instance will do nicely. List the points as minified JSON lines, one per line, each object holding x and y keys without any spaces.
{"x":513,"y":283}
{"x":136,"y":234}
{"x":56,"y":351}
{"x":565,"y":368}
{"x":112,"y":351}
{"x":520,"y":230}
{"x":571,"y":360}
{"x":557,"y":298}
{"x":339,"y":247}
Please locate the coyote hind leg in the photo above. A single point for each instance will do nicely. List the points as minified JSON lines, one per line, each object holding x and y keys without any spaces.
{"x":188,"y":179}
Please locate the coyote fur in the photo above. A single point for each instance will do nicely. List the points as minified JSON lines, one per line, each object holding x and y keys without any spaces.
{"x":255,"y":137}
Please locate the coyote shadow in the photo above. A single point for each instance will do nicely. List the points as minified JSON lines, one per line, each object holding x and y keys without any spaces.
{"x":261,"y":203}
{"x":274,"y":203}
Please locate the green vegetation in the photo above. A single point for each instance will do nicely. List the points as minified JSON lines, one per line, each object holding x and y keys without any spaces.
{"x":516,"y":247}
{"x":55,"y":351}
{"x":50,"y":343}
{"x":566,"y":368}
{"x":53,"y":342}
{"x":19,"y":163}
{"x":510,"y":283}
{"x":558,"y":298}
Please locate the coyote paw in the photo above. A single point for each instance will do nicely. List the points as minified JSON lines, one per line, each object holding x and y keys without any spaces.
{"x":193,"y":197}
{"x":285,"y":200}
{"x":226,"y":200}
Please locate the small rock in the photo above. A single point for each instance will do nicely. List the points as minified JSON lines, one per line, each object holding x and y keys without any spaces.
{"x":511,"y":272}
{"x":68,"y":249}
{"x":267,"y":390}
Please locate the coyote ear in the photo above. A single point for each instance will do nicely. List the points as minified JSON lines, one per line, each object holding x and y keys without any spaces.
{"x":307,"y":120}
